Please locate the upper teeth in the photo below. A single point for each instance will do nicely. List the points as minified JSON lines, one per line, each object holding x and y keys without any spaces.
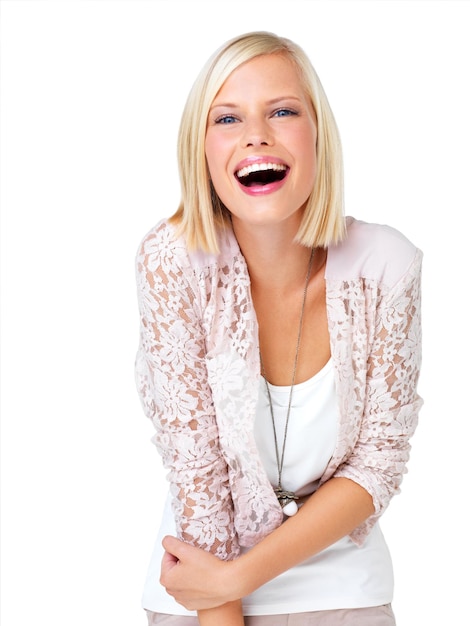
{"x":257,"y":167}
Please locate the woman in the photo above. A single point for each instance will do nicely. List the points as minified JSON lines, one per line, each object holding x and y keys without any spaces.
{"x":279,"y":360}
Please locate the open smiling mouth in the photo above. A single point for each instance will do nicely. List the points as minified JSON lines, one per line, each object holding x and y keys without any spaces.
{"x":260,"y":174}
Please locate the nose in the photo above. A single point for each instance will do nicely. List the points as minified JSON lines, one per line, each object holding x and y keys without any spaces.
{"x":257,"y":132}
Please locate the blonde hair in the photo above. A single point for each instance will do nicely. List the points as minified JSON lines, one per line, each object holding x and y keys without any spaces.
{"x":201,"y":211}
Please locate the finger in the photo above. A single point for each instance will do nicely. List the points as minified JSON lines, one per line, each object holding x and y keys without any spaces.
{"x":174,"y":546}
{"x":168,"y":563}
{"x":169,"y":560}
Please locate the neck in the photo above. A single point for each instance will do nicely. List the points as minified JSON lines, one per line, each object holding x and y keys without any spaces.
{"x":275,"y":261}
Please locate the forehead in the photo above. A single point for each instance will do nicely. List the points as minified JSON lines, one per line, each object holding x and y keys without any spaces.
{"x":274,"y":74}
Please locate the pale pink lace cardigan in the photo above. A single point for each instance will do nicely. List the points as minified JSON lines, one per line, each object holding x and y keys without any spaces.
{"x":197,"y":372}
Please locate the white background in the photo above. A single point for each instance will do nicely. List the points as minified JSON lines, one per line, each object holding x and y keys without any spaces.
{"x":91,"y":95}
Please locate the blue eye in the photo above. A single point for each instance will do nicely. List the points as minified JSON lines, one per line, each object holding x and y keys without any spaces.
{"x":284,"y":113}
{"x":226,"y":119}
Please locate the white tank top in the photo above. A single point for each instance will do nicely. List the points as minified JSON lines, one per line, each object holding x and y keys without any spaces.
{"x":343,"y":575}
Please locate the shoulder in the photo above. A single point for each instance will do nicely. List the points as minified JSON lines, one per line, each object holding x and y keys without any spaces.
{"x":163,"y":246}
{"x":372,"y":251}
{"x":161,"y":243}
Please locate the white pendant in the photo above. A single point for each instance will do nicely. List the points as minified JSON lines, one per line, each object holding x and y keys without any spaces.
{"x":290,"y":509}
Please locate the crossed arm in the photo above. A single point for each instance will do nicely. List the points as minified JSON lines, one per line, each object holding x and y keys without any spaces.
{"x":200,"y":581}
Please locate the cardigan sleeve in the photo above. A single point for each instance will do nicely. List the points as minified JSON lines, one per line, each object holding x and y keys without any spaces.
{"x":172,"y":382}
{"x":390,"y":402}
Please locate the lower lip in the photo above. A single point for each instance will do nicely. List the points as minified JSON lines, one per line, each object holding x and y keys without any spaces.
{"x":262,"y":190}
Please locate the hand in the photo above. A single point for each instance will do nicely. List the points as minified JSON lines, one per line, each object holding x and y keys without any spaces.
{"x":195,"y":578}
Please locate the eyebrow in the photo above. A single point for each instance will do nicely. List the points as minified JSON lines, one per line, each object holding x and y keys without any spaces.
{"x":234,"y":105}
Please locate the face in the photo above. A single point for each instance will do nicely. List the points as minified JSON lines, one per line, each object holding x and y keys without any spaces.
{"x":261,"y":142}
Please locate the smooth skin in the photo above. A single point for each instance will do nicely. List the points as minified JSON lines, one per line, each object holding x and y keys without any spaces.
{"x":262,"y":111}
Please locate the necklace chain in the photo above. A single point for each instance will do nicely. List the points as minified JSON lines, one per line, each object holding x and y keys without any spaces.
{"x":287,"y":497}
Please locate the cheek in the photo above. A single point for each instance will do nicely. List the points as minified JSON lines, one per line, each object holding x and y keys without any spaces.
{"x":214,"y":149}
{"x":306,"y":140}
{"x":308,"y":149}
{"x":217,"y":165}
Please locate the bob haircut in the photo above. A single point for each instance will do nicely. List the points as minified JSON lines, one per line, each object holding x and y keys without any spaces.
{"x":201,"y":212}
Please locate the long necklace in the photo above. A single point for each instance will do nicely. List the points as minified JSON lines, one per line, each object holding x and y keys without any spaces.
{"x":287,"y":498}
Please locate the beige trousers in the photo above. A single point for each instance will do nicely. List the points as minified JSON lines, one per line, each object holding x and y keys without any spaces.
{"x":370,"y":616}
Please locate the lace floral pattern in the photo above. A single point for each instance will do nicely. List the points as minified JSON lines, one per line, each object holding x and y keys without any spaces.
{"x":376,"y":343}
{"x":195,"y":377}
{"x":197,"y":372}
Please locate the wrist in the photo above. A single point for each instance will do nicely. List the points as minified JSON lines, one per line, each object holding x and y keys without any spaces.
{"x":237,"y":580}
{"x":229,"y":614}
